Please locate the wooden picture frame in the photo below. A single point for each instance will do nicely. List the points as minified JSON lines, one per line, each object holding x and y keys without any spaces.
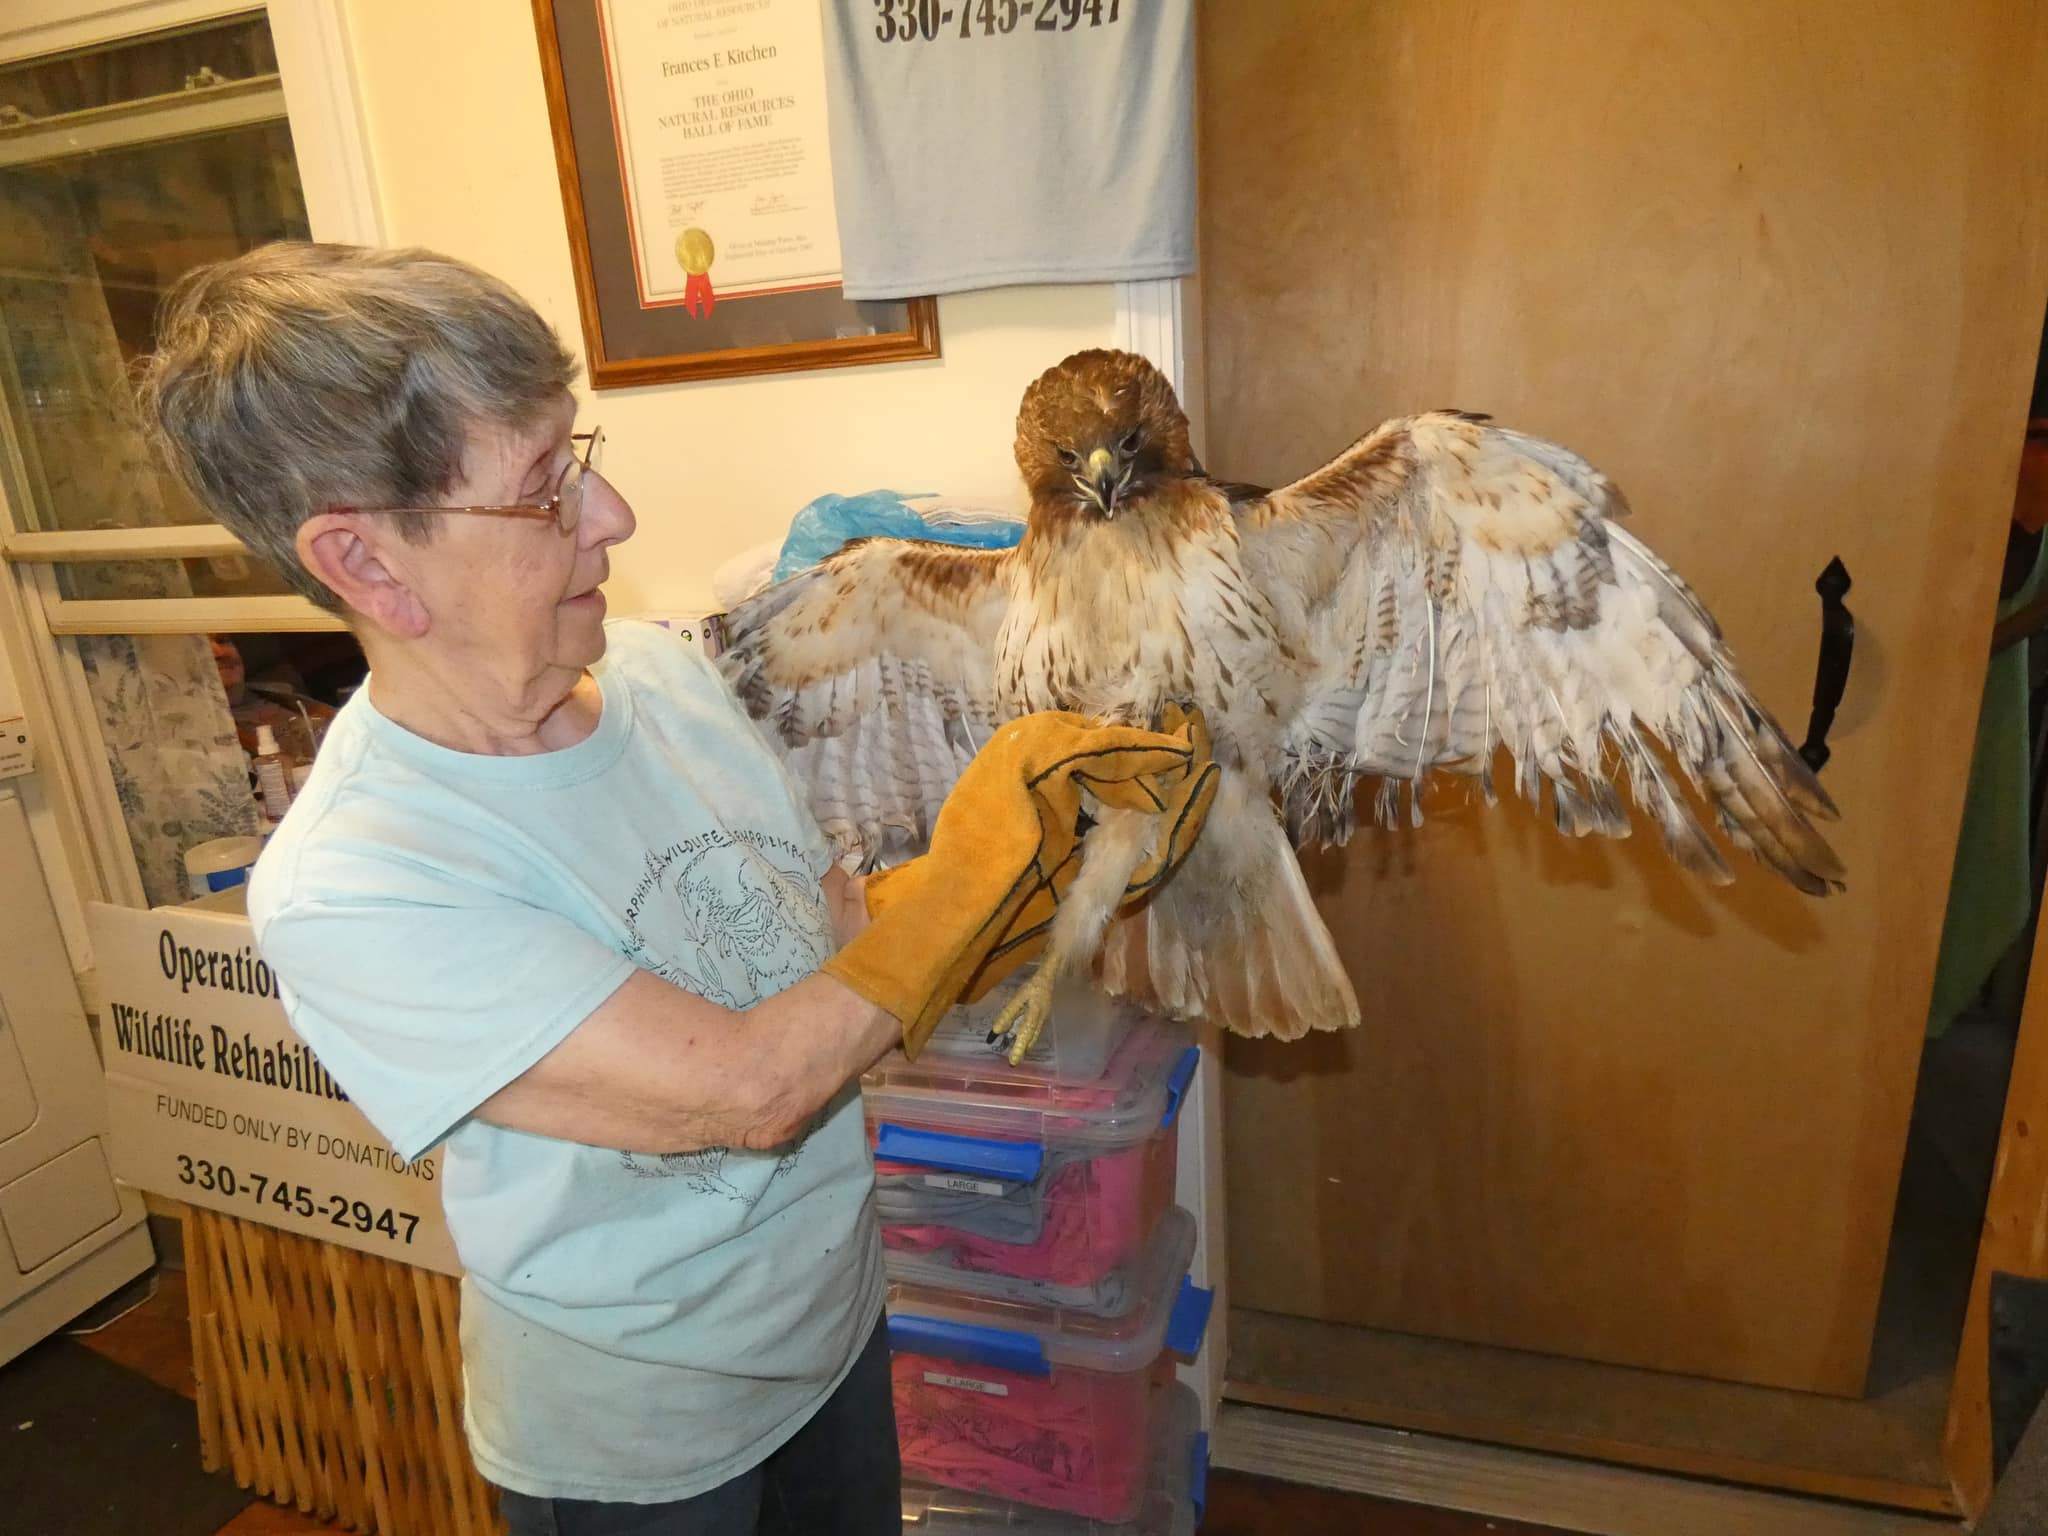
{"x":628,"y":343}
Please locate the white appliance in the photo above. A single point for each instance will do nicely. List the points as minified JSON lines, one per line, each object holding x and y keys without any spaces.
{"x":69,"y":1235}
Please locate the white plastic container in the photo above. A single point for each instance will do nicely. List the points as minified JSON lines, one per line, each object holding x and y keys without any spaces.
{"x":988,"y":1174}
{"x":1176,"y":1486}
{"x":220,"y":864}
{"x":1041,"y":1406}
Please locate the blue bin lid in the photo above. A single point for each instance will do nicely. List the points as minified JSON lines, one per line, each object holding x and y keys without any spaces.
{"x":1034,"y":1338}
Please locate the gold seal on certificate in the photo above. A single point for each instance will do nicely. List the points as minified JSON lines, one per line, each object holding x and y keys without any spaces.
{"x":695,"y":252}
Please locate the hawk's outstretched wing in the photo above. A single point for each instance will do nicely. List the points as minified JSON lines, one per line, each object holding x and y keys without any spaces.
{"x":1461,"y":588}
{"x":874,"y":672}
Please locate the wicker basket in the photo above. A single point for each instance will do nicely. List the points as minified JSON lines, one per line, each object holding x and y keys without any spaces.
{"x":331,"y":1380}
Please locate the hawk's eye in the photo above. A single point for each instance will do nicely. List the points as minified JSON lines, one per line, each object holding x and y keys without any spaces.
{"x":1130,"y":442}
{"x":1069,"y":458}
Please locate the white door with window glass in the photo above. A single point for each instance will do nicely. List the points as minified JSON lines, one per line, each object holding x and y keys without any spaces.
{"x":144,"y":139}
{"x":68,"y":1233}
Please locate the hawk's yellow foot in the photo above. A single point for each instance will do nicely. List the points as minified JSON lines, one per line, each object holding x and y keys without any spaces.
{"x":1024,"y":1016}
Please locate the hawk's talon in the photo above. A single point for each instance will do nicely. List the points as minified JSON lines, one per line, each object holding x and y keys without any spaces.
{"x":1024,"y":1016}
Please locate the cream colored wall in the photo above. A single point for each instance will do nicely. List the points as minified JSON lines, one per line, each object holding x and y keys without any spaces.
{"x":463,"y":162}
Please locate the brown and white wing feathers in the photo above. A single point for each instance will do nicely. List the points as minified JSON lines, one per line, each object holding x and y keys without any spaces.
{"x":1460,"y":589}
{"x":873,"y":672}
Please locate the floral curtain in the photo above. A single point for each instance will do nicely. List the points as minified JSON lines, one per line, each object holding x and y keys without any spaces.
{"x":171,"y":745}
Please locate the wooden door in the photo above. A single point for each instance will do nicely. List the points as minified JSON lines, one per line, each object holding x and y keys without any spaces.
{"x":1780,"y":270}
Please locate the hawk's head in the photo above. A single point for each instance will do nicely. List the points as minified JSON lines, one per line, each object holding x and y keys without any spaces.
{"x":1100,"y":432}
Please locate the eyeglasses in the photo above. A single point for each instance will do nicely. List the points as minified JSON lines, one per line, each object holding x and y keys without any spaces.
{"x":563,"y":505}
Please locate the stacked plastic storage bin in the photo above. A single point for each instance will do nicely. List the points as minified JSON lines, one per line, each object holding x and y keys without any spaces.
{"x":1038,"y":1276}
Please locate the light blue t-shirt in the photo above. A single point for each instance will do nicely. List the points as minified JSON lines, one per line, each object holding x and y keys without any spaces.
{"x":635,"y":1327}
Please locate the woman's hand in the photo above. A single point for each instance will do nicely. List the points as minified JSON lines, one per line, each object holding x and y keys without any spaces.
{"x":846,"y":900}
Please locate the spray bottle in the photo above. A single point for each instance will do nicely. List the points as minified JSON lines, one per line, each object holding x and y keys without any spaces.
{"x":270,"y":775}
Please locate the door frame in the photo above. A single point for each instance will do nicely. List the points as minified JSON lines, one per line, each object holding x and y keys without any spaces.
{"x":2014,"y":1240}
{"x":1155,"y":319}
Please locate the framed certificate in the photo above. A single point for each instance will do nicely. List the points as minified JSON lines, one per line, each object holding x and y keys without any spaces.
{"x":697,"y":184}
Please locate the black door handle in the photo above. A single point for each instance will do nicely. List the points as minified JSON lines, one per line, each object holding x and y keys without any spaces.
{"x":1831,"y":672}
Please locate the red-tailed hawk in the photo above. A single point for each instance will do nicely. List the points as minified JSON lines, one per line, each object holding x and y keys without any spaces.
{"x":1442,"y":593}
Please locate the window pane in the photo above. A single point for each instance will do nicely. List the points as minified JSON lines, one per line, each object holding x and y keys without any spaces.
{"x":292,"y":683}
{"x":135,"y":69}
{"x":88,"y":246}
{"x":162,"y":162}
{"x":235,"y":575}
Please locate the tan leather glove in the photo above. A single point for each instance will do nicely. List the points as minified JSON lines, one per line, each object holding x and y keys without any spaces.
{"x":1183,"y":811}
{"x":1004,"y":844}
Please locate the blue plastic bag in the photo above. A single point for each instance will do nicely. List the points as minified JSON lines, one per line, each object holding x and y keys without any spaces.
{"x":828,"y":523}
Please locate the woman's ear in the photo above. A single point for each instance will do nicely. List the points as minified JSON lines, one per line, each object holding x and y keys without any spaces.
{"x":351,"y":556}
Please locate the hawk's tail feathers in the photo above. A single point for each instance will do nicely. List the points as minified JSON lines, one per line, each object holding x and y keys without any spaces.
{"x":1234,"y":939}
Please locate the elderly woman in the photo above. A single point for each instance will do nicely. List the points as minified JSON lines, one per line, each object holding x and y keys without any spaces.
{"x":549,"y":899}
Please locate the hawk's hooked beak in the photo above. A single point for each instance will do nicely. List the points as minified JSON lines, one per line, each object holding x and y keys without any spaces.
{"x":1105,"y":480}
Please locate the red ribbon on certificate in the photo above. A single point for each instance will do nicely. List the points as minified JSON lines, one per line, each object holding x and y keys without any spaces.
{"x":698,"y":298}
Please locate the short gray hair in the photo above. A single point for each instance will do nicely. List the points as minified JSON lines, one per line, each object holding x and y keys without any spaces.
{"x":301,"y":377}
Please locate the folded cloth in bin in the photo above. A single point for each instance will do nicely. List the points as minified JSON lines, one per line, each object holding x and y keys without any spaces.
{"x":1067,"y":1245}
{"x":1015,"y":1213}
{"x":1110,"y":1296}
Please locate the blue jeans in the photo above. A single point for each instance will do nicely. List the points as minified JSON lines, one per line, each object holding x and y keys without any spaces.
{"x":838,"y":1476}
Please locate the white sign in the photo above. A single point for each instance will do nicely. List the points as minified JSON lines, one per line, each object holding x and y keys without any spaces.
{"x":212,"y":1099}
{"x":17,"y":750}
{"x":719,"y":113}
{"x":701,"y":631}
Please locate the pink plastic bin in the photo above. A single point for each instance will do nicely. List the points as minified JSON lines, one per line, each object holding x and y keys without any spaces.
{"x":1036,"y":1405}
{"x":1175,"y":1486}
{"x":1017,"y":1187}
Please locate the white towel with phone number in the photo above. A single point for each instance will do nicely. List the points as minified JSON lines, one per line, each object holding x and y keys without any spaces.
{"x":984,"y":143}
